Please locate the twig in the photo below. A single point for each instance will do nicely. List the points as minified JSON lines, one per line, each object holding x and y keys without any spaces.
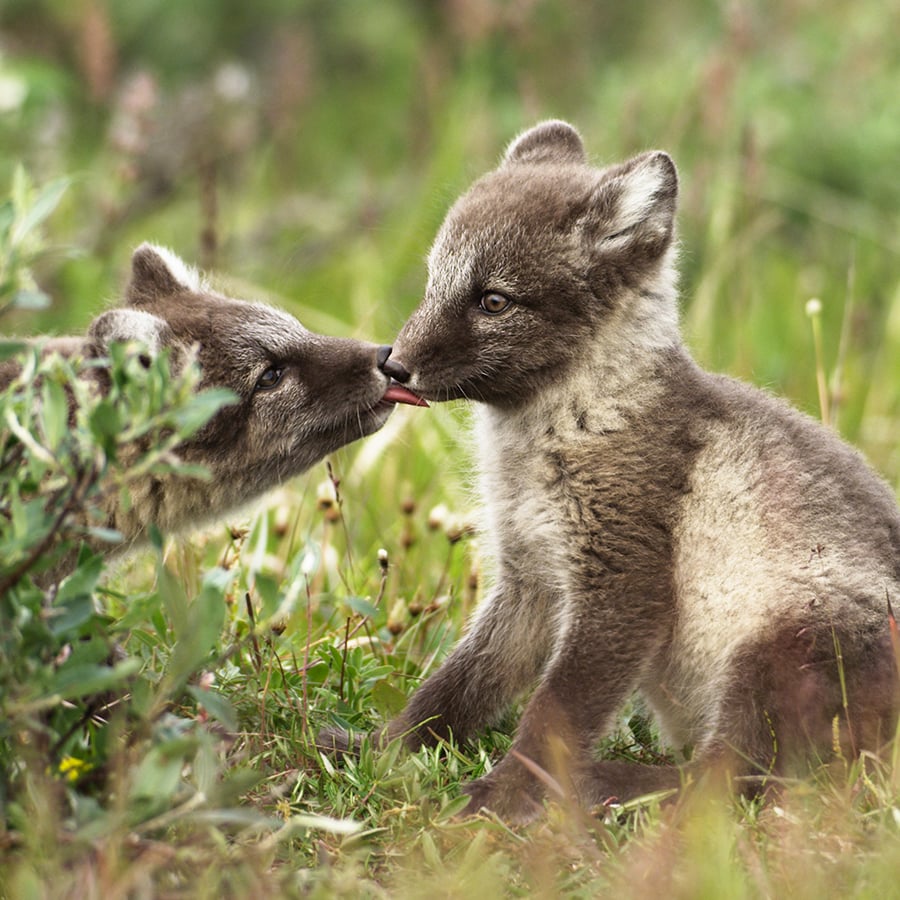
{"x":336,"y":484}
{"x":305,"y":682}
{"x":837,"y":373}
{"x":253,"y":639}
{"x":84,"y":482}
{"x":344,"y":659}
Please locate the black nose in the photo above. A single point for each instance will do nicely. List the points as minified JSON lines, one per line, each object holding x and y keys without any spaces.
{"x":391,"y":367}
{"x":382,"y":354}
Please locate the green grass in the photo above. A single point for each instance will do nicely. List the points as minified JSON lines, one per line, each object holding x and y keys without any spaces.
{"x":782,"y":120}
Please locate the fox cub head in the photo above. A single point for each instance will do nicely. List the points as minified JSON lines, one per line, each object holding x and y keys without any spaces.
{"x":299,"y":395}
{"x":543,"y":258}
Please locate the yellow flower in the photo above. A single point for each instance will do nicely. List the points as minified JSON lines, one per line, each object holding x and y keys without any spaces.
{"x":284,"y":808}
{"x":72,"y":768}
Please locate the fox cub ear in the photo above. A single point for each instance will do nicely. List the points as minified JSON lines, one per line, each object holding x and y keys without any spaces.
{"x":635,"y":202}
{"x":124,"y":325}
{"x":553,"y":141}
{"x":157,"y":272}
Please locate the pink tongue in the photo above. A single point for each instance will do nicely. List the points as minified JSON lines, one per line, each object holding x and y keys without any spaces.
{"x":398,"y":394}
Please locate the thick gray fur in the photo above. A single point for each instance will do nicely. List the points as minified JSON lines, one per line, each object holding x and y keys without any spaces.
{"x":654,"y":527}
{"x":330,"y":393}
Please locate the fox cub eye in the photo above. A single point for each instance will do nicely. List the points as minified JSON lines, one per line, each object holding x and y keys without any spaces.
{"x":494,"y":304}
{"x":270,"y":378}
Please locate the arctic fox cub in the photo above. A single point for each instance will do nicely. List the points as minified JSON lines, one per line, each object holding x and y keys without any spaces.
{"x":654,"y":527}
{"x":300,"y":395}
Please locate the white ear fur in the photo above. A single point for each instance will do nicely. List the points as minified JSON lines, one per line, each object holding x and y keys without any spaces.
{"x":158,"y":272}
{"x":123,"y":325}
{"x":183,"y":273}
{"x":648,"y":188}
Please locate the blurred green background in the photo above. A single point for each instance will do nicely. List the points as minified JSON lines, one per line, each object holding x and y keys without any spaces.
{"x":307,"y":151}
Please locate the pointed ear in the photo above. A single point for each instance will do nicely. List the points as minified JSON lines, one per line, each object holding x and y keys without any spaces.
{"x":157,"y":272}
{"x":635,"y":202}
{"x":123,"y":325}
{"x":553,"y":141}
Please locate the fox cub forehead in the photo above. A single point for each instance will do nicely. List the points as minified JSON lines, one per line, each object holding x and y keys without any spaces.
{"x":545,"y":180}
{"x":546,"y":202}
{"x":547,"y":169}
{"x":168,"y":305}
{"x":165,"y":286}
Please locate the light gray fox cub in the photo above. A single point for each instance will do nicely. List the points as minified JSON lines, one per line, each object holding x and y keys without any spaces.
{"x":654,"y":527}
{"x":300,"y":395}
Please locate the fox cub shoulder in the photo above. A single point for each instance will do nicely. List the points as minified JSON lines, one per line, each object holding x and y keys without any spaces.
{"x":299,"y":395}
{"x":655,"y":527}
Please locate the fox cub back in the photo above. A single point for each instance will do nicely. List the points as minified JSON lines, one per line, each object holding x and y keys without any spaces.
{"x":654,"y":527}
{"x":299,"y":395}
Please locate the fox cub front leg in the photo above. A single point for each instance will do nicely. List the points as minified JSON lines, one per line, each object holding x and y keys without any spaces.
{"x":592,"y":671}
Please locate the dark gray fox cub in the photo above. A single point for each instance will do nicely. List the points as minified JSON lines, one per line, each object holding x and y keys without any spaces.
{"x":300,"y":395}
{"x":654,"y":527}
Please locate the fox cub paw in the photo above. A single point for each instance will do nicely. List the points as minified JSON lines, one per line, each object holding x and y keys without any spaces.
{"x":514,"y":802}
{"x":334,"y":741}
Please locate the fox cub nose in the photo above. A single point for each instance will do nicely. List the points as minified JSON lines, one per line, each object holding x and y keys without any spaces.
{"x":391,"y":367}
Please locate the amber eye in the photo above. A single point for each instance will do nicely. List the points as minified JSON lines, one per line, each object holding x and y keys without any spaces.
{"x":494,"y":304}
{"x":269,"y":379}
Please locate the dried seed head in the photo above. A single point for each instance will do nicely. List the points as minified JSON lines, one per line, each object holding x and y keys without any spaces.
{"x":282,"y":520}
{"x":383,"y":559}
{"x":397,"y":617}
{"x":326,"y":496}
{"x":437,"y":603}
{"x":438,"y":516}
{"x":408,"y":505}
{"x":457,"y":528}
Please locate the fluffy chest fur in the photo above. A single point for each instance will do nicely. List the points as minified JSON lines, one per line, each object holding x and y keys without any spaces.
{"x":573,"y":484}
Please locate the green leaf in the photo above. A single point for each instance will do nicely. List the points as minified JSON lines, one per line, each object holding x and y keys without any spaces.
{"x":74,"y":603}
{"x":388,"y":699}
{"x":201,"y":408}
{"x":9,"y":348}
{"x":317,"y":672}
{"x":30,"y":299}
{"x":216,"y":705}
{"x":155,"y":536}
{"x":106,"y":423}
{"x":7,"y":216}
{"x":452,"y":808}
{"x":106,"y":535}
{"x":140,"y":609}
{"x":205,"y":618}
{"x":318,"y":823}
{"x":70,"y":616}
{"x":158,"y":775}
{"x":174,"y":599}
{"x":361,"y":606}
{"x":46,"y":201}
{"x":94,"y":650}
{"x":20,"y":187}
{"x":54,"y":413}
{"x":71,"y":682}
